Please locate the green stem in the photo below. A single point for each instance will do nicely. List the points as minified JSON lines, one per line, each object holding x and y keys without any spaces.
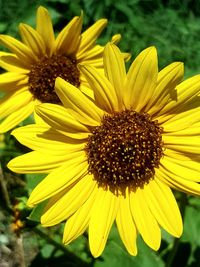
{"x":172,"y":253}
{"x":4,"y":189}
{"x":176,"y":243}
{"x":49,"y":240}
{"x":70,"y":255}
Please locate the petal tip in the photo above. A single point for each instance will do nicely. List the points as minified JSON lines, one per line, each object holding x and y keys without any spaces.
{"x":32,"y":202}
{"x":59,"y":81}
{"x":29,"y":204}
{"x":153,"y":49}
{"x":42,"y":8}
{"x":21,"y":25}
{"x":9,"y":165}
{"x":14,"y":132}
{"x":156,"y":245}
{"x":116,"y":38}
{"x":82,"y":67}
{"x":179,"y":231}
{"x":104,"y":21}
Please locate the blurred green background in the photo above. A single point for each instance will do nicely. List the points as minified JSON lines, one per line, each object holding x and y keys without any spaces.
{"x":174,"y":28}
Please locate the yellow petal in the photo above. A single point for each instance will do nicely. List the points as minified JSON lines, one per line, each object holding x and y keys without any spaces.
{"x":115,"y":70}
{"x":193,"y":130}
{"x":45,"y":29}
{"x":103,"y":215}
{"x":141,"y":79}
{"x":78,"y":222}
{"x":68,"y":39}
{"x":89,"y":37}
{"x":35,"y":162}
{"x":64,"y":34}
{"x":180,"y":156}
{"x":93,"y":57}
{"x":180,"y":110}
{"x":104,"y":92}
{"x":95,"y":53}
{"x":87,"y":91}
{"x":184,"y":145}
{"x":10,"y":62}
{"x":144,"y":220}
{"x":33,"y":40}
{"x":23,"y":52}
{"x":183,"y":120}
{"x":163,"y":206}
{"x":79,"y":105}
{"x":74,"y":167}
{"x":10,"y":80}
{"x":45,"y":140}
{"x":178,"y":182}
{"x":126,"y":225}
{"x":186,"y":169}
{"x":116,"y":38}
{"x":59,"y":118}
{"x":69,"y":203}
{"x":16,"y":117}
{"x":186,"y":91}
{"x":14,"y":101}
{"x":168,"y":78}
{"x":37,"y":118}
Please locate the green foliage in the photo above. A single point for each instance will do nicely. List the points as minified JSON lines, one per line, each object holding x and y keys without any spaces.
{"x":192,"y":230}
{"x":116,"y":255}
{"x":173,"y":27}
{"x":37,"y":212}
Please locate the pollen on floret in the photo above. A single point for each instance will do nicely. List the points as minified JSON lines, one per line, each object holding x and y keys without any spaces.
{"x":125,"y":150}
{"x":43,"y":74}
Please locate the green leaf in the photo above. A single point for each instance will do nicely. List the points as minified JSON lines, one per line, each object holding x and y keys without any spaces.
{"x":33,"y":180}
{"x":47,"y":250}
{"x":192,"y":222}
{"x":3,"y":26}
{"x":116,"y":255}
{"x":37,"y":212}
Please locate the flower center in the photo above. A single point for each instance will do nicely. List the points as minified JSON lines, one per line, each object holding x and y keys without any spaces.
{"x":43,"y":74}
{"x":124,"y":150}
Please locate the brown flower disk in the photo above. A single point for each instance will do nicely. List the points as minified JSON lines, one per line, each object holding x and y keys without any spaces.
{"x":43,"y":74}
{"x":124,"y":150}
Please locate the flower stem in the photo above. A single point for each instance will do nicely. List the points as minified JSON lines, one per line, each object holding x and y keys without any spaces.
{"x":176,"y":243}
{"x":4,"y":189}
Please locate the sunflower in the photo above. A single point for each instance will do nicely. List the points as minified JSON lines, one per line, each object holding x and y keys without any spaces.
{"x":35,"y":62}
{"x":116,"y":158}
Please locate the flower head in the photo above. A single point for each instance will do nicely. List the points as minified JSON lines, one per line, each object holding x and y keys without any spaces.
{"x":34,"y":64}
{"x":115,"y":158}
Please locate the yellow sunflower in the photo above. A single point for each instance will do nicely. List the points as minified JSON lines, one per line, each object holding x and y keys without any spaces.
{"x":115,"y":158}
{"x":35,"y":62}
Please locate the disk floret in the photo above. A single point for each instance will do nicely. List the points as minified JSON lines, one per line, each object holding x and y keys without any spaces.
{"x":43,"y":74}
{"x":125,"y":150}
